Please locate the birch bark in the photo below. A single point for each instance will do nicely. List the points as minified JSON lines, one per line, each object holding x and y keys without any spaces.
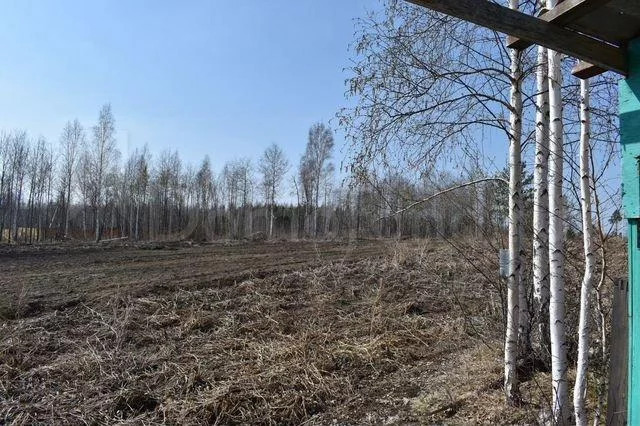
{"x":541,"y":209}
{"x":560,"y":408}
{"x":580,"y":389}
{"x":515,"y":176}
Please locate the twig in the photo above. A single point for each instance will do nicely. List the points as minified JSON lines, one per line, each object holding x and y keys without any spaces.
{"x":444,"y":191}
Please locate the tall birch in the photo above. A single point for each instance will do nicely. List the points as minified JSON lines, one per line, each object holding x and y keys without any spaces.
{"x":580,"y":389}
{"x":273,"y":166}
{"x":104,"y":146}
{"x":541,"y":207}
{"x":515,"y":183}
{"x":72,"y":139}
{"x":560,"y":409}
{"x":524,"y":320}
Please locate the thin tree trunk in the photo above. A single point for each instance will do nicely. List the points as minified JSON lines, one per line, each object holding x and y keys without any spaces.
{"x":541,"y":210}
{"x":97,"y":236}
{"x":170,"y":219}
{"x":326,"y":214}
{"x":580,"y":390}
{"x":68,"y":208}
{"x":137,"y":219}
{"x":10,"y":204}
{"x":515,"y":176}
{"x":48,"y":207}
{"x":524,"y":323}
{"x":130,"y":220}
{"x":271,"y":221}
{"x":601,"y":384}
{"x":560,"y":403}
{"x":16,"y":212}
{"x":40,"y":224}
{"x":3,"y":200}
{"x":30,"y":213}
{"x":112,"y":220}
{"x":84,"y":220}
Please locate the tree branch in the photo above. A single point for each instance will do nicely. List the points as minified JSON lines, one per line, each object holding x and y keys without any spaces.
{"x":444,"y":191}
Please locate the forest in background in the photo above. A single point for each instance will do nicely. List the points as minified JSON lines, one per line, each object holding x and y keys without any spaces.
{"x":82,"y":188}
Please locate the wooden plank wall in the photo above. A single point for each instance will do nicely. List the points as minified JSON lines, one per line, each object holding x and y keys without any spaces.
{"x":618,"y":362}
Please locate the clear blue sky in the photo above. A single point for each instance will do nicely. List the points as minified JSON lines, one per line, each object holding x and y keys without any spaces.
{"x":223,"y":78}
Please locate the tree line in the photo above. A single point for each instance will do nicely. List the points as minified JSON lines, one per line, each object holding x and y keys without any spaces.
{"x":81,"y":188}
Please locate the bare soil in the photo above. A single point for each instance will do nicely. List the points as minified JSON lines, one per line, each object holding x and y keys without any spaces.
{"x":253,"y":333}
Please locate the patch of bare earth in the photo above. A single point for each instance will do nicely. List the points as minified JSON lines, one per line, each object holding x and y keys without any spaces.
{"x":286,"y":333}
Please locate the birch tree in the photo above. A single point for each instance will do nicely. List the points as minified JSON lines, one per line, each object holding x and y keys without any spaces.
{"x":73,"y":137}
{"x":541,"y":206}
{"x":316,"y":158}
{"x":273,"y":165}
{"x":515,"y":215}
{"x":204,"y":185}
{"x":86,"y":185}
{"x":19,"y":153}
{"x":141,"y":185}
{"x":38,"y":173}
{"x":580,"y":389}
{"x":305,"y":192}
{"x":5,"y":141}
{"x":244,"y":169}
{"x":35,"y":156}
{"x":560,"y":408}
{"x":104,"y":149}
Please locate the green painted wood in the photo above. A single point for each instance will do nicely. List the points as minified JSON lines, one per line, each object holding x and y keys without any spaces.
{"x":629,"y":91}
{"x":630,"y":140}
{"x":633,"y":393}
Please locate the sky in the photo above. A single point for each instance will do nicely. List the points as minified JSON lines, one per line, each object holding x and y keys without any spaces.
{"x":222,"y":78}
{"x":218,"y":77}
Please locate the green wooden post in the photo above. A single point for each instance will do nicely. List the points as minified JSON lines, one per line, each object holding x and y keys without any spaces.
{"x":630,"y":140}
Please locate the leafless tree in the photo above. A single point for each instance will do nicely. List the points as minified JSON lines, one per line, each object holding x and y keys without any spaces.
{"x":204,"y":184}
{"x":19,"y":154}
{"x":273,"y":166}
{"x":87,"y":186}
{"x":71,"y":141}
{"x":314,"y":165}
{"x":5,"y":176}
{"x":103,"y":151}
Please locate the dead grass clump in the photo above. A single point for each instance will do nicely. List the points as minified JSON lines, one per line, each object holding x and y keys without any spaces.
{"x":408,"y":337}
{"x":468,"y":389}
{"x":133,"y":402}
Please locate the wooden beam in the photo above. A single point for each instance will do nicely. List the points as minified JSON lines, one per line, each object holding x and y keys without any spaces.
{"x":538,"y":31}
{"x":629,"y":8}
{"x":586,"y":70}
{"x":570,"y":10}
{"x":564,"y":13}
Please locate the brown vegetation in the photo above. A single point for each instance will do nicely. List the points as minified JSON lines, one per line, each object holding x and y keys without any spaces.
{"x":266,"y":333}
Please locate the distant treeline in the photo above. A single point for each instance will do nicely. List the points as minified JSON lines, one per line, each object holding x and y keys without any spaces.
{"x":82,"y":190}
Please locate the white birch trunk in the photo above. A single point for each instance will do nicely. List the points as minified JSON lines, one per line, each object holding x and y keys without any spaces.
{"x":560,"y":403}
{"x":515,"y":175}
{"x":271,"y":221}
{"x":580,"y":389}
{"x":68,"y":206}
{"x":524,"y":324}
{"x":541,"y":208}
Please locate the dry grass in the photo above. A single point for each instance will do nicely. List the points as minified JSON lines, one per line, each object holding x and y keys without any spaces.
{"x":411,"y":337}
